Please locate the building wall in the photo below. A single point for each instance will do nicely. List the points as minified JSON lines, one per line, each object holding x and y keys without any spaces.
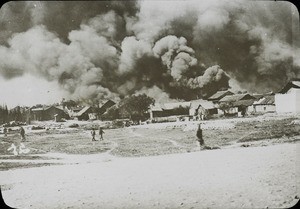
{"x":233,"y":110}
{"x":289,"y":102}
{"x":297,"y":95}
{"x":85,"y":115}
{"x":37,"y":115}
{"x":49,"y":114}
{"x":230,"y":111}
{"x":154,"y":114}
{"x":250,"y":109}
{"x":220,"y":112}
{"x":265,"y":108}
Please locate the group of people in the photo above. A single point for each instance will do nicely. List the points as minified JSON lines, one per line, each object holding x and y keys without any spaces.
{"x":93,"y":132}
{"x":22,"y":133}
{"x":19,"y":148}
{"x":101,"y":132}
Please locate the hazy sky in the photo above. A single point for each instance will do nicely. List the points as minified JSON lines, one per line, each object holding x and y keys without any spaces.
{"x":29,"y":90}
{"x":89,"y":51}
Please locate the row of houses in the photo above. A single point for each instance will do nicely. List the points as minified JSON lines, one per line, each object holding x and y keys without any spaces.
{"x":59,"y":112}
{"x":221,"y":103}
{"x":228,"y":103}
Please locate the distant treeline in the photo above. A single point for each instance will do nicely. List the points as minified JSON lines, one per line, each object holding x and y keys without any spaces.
{"x":15,"y":114}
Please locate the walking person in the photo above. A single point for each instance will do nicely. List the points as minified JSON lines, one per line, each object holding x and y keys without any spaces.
{"x":101,"y":132}
{"x":22,"y":133}
{"x":93,"y":134}
{"x":200,"y":136}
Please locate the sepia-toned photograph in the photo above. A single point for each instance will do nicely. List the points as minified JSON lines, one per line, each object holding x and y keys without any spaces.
{"x":149,"y":104}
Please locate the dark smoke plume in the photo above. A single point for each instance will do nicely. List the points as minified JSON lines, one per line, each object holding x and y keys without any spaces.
{"x":110,"y":49}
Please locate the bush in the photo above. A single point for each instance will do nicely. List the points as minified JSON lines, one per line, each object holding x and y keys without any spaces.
{"x":37,"y":127}
{"x":74,"y":125}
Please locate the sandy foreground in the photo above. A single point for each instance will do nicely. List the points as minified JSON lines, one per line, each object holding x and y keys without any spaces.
{"x":251,"y":177}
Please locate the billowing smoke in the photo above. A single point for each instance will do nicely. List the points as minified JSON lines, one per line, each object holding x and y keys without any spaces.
{"x":175,"y":54}
{"x":132,"y":51}
{"x":110,"y":49}
{"x":156,"y":93}
{"x":212,"y":74}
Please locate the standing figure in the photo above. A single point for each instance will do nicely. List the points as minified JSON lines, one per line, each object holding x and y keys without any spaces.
{"x":93,"y":134}
{"x":22,"y":133}
{"x":5,"y":131}
{"x":199,"y":136}
{"x":101,"y":132}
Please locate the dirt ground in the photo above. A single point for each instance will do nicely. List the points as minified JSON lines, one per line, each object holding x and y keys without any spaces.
{"x":157,"y":166}
{"x":252,"y":177}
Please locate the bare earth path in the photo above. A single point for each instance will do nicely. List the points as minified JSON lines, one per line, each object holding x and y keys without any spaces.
{"x":252,"y":177}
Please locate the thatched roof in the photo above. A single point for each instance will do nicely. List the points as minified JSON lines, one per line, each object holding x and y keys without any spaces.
{"x":258,"y":96}
{"x":174,"y":105}
{"x":266,"y":100}
{"x":82,"y":111}
{"x":219,"y":95}
{"x":204,"y":103}
{"x":236,"y":97}
{"x":289,"y":85}
{"x":190,"y":104}
{"x":169,"y":106}
{"x":245,"y":103}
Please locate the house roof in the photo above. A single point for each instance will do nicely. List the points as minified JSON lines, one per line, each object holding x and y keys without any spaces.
{"x":190,"y":104}
{"x":266,"y":100}
{"x":19,"y":107}
{"x":40,"y":108}
{"x":52,"y":106}
{"x":236,"y":97}
{"x":257,"y":96}
{"x":106,"y":104}
{"x":219,"y":95}
{"x":82,"y":111}
{"x":156,"y":107}
{"x":37,"y":109}
{"x":169,"y":106}
{"x":289,"y":85}
{"x":204,"y":103}
{"x":60,"y":107}
{"x":246,"y":103}
{"x":77,"y":109}
{"x":173,"y":105}
{"x":45,"y":108}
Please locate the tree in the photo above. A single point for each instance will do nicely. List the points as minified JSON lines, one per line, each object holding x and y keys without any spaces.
{"x":111,"y":114}
{"x":3,"y":114}
{"x":135,"y":107}
{"x":68,"y":103}
{"x":225,"y":107}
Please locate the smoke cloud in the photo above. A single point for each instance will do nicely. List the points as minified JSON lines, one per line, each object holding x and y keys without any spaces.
{"x":156,"y":93}
{"x":211,"y":74}
{"x":107,"y":50}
